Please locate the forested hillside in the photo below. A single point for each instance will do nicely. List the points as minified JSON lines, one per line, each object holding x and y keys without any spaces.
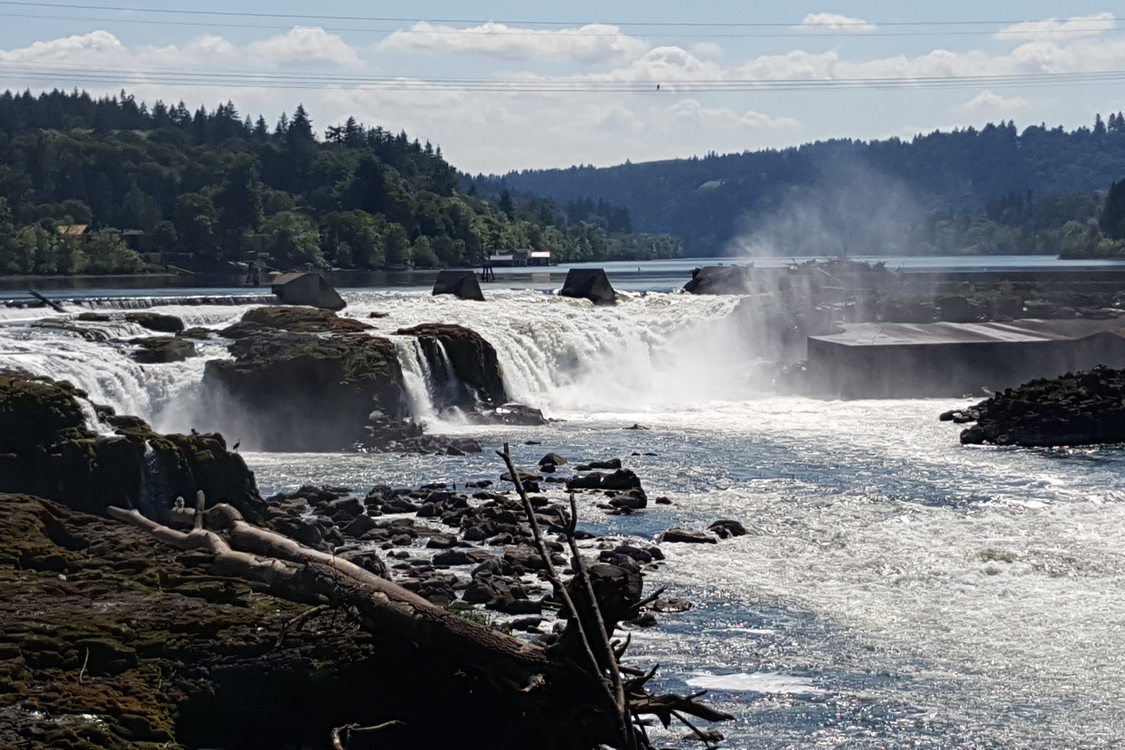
{"x":208,"y":188}
{"x":993,"y":190}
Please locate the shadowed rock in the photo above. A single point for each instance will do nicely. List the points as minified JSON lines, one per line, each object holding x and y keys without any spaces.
{"x":461,"y":284}
{"x":589,"y":283}
{"x":307,"y":289}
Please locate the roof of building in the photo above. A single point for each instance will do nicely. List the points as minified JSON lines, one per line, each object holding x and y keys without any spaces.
{"x":73,"y":230}
{"x":899,"y":334}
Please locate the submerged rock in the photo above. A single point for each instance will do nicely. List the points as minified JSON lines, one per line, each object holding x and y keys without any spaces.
{"x":152,"y":321}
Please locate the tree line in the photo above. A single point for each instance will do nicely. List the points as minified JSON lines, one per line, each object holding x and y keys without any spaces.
{"x":989,"y":190}
{"x":211,"y":187}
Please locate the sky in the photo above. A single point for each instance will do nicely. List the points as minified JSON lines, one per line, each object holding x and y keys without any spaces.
{"x":503,"y":86}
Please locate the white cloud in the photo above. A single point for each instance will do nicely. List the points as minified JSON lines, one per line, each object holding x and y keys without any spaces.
{"x":1059,"y":30}
{"x":305,"y":45}
{"x":989,"y":104}
{"x":592,"y":43}
{"x":834,"y":22}
{"x":692,"y":111}
{"x":706,"y":49}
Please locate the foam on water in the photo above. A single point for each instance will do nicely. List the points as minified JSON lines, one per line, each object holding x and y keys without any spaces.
{"x":758,"y":682}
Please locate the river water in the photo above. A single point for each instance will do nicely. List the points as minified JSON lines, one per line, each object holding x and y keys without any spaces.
{"x":895,"y":590}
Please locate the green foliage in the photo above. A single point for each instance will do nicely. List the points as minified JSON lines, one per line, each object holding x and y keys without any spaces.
{"x":292,"y":239}
{"x":105,"y":253}
{"x":992,"y":189}
{"x":202,"y":184}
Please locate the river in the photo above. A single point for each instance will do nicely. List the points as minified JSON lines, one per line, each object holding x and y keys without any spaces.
{"x":895,"y":590}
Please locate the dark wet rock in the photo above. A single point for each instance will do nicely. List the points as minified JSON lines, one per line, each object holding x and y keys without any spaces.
{"x":622,"y":479}
{"x":634,"y":499}
{"x":724,"y":529}
{"x":526,"y":624}
{"x":155,"y":321}
{"x":671,"y":605}
{"x":296,"y":319}
{"x":638,"y":426}
{"x":307,"y":289}
{"x":509,"y":414}
{"x":719,"y":280}
{"x":644,"y":620}
{"x":198,"y":334}
{"x":642,"y":556}
{"x":441,"y":541}
{"x":663,"y":501}
{"x":160,"y":349}
{"x":359,"y":526}
{"x":473,"y":360}
{"x":552,"y":459}
{"x":591,"y":481}
{"x":303,"y":391}
{"x":368,"y":559}
{"x":46,"y":449}
{"x":687,"y":537}
{"x":589,"y":283}
{"x":461,"y":284}
{"x":524,"y":476}
{"x":1084,"y":408}
{"x":613,"y":463}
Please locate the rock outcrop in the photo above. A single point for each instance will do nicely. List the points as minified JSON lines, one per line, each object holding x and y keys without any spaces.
{"x":304,"y":391}
{"x":472,"y":359}
{"x":47,"y":449}
{"x":1085,"y":408}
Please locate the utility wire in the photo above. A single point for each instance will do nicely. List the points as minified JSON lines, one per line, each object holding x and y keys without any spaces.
{"x":300,"y":81}
{"x":796,"y":33}
{"x":530,"y":22}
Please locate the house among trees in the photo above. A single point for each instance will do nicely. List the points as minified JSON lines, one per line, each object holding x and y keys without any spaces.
{"x":520,"y":257}
{"x":73,"y":230}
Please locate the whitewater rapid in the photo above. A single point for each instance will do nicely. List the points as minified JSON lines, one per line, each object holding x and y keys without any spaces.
{"x":896,"y":589}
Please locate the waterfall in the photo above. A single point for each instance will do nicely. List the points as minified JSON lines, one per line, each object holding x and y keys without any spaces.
{"x":416,"y":378}
{"x":154,"y":499}
{"x":651,"y":351}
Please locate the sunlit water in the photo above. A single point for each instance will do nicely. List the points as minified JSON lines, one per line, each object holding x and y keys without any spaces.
{"x":895,"y":590}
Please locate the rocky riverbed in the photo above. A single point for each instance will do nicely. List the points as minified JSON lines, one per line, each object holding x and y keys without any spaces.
{"x":113,"y":639}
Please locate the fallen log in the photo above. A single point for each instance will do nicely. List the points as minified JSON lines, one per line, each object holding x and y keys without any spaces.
{"x":571,"y":696}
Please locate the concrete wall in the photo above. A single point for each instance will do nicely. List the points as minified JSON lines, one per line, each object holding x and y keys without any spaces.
{"x":949,"y":369}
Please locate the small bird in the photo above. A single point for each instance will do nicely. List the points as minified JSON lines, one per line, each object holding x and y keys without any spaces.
{"x":236,"y":444}
{"x":194,"y":432}
{"x":179,"y":504}
{"x":658,"y":87}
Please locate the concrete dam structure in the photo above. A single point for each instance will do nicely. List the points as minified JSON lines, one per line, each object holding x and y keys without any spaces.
{"x":904,"y":360}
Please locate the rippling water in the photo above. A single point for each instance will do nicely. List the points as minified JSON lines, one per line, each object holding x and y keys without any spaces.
{"x":896,"y":589}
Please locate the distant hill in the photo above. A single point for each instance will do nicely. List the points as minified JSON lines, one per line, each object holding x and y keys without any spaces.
{"x":991,"y":190}
{"x":87,"y":183}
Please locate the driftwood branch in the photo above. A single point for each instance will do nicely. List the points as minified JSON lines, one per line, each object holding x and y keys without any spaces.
{"x":341,"y":743}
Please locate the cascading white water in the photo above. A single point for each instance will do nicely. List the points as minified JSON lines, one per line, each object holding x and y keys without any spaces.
{"x":416,"y":378}
{"x":562,"y":355}
{"x":566,"y":355}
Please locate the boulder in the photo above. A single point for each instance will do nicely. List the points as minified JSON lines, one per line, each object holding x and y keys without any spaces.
{"x":472,"y":359}
{"x":687,"y":537}
{"x":589,"y":283}
{"x":161,"y":349}
{"x":725,"y":528}
{"x":461,"y":284}
{"x":304,"y":391}
{"x":153,"y":321}
{"x":307,"y":289}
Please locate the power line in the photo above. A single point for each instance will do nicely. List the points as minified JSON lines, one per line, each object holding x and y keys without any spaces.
{"x":795,"y":33}
{"x":400,"y":19}
{"x":297,"y":81}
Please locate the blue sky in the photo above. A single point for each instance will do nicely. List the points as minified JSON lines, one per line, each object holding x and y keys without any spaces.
{"x":506,"y":85}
